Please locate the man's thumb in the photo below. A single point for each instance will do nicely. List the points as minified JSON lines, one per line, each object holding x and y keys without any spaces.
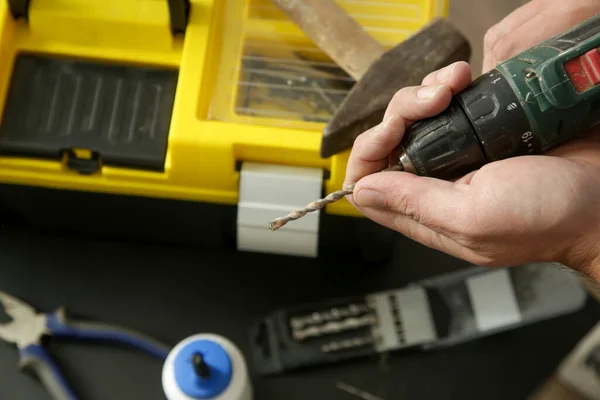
{"x":437,"y":204}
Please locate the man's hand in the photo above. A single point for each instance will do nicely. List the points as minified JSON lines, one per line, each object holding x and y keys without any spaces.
{"x":531,"y":24}
{"x":524,"y":209}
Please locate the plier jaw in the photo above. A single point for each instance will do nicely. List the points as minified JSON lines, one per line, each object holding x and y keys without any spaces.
{"x":27,"y":326}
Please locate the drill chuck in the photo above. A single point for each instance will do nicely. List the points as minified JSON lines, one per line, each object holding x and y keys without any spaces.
{"x":484,"y":123}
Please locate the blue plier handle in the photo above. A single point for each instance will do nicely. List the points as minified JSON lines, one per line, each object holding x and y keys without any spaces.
{"x":28,"y":327}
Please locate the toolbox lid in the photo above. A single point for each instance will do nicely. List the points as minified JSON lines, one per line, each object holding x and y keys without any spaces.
{"x":216,"y":360}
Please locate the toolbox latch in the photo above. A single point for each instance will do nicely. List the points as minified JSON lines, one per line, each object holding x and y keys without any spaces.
{"x":84,"y":161}
{"x":19,"y":8}
{"x":179,"y":12}
{"x":266,"y":192}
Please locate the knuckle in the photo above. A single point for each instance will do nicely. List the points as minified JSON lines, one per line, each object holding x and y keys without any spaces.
{"x":491,"y":38}
{"x":496,"y":45}
{"x":401,"y":96}
{"x":503,"y":49}
{"x":364,"y":142}
{"x":372,"y":146}
{"x":359,"y":142}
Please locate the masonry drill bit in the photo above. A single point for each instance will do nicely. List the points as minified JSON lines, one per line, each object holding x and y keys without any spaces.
{"x":311,"y":207}
{"x":321,"y":203}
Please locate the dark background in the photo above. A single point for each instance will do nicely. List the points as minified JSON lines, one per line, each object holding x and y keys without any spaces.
{"x":171,"y":292}
{"x":134,"y":285}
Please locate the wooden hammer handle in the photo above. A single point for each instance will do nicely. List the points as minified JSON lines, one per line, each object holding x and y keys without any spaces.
{"x":335,"y":32}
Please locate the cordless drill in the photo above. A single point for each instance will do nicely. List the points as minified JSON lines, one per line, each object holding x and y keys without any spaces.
{"x":527,"y":105}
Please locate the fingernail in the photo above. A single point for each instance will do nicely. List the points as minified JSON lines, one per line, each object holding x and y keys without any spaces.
{"x":370,"y":198}
{"x":428,"y":92}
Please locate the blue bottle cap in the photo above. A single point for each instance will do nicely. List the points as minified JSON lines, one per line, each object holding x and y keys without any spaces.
{"x":212,"y":378}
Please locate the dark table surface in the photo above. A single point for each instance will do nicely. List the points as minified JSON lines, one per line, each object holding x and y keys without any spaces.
{"x":173,"y":292}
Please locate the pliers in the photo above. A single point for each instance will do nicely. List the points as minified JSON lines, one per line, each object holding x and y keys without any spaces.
{"x":28,"y":327}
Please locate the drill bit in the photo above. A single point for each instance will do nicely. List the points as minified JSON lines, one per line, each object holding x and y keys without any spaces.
{"x":311,"y":207}
{"x":334,"y":327}
{"x":321,"y":203}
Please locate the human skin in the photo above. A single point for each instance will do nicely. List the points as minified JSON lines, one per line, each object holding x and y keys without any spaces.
{"x":524,"y":209}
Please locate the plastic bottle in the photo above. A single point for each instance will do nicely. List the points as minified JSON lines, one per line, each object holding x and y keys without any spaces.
{"x":206,"y":367}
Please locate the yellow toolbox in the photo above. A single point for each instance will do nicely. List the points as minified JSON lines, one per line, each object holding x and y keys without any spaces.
{"x":169,"y":100}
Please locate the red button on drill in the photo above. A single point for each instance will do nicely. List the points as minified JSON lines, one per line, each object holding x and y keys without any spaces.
{"x":584,"y":71}
{"x":591,"y":65}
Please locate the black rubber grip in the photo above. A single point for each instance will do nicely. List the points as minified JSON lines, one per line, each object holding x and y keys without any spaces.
{"x":483,"y":123}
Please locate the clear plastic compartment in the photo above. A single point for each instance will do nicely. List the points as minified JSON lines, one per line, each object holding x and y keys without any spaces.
{"x":280,"y":78}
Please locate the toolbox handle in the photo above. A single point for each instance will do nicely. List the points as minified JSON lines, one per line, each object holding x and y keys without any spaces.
{"x":179,"y":12}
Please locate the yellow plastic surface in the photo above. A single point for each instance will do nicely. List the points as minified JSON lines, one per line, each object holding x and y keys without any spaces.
{"x":86,"y":22}
{"x":211,"y":130}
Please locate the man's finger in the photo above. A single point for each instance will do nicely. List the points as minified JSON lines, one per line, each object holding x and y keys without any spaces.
{"x":419,"y":102}
{"x":457,"y":76}
{"x":371,"y":149}
{"x":440,"y":205}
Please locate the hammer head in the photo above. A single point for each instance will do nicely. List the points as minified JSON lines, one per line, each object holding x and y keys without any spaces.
{"x":435,"y":46}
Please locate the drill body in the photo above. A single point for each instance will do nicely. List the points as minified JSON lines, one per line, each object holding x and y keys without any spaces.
{"x":527,"y":105}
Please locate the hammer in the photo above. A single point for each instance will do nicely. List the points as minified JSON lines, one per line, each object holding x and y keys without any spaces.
{"x":378,"y":73}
